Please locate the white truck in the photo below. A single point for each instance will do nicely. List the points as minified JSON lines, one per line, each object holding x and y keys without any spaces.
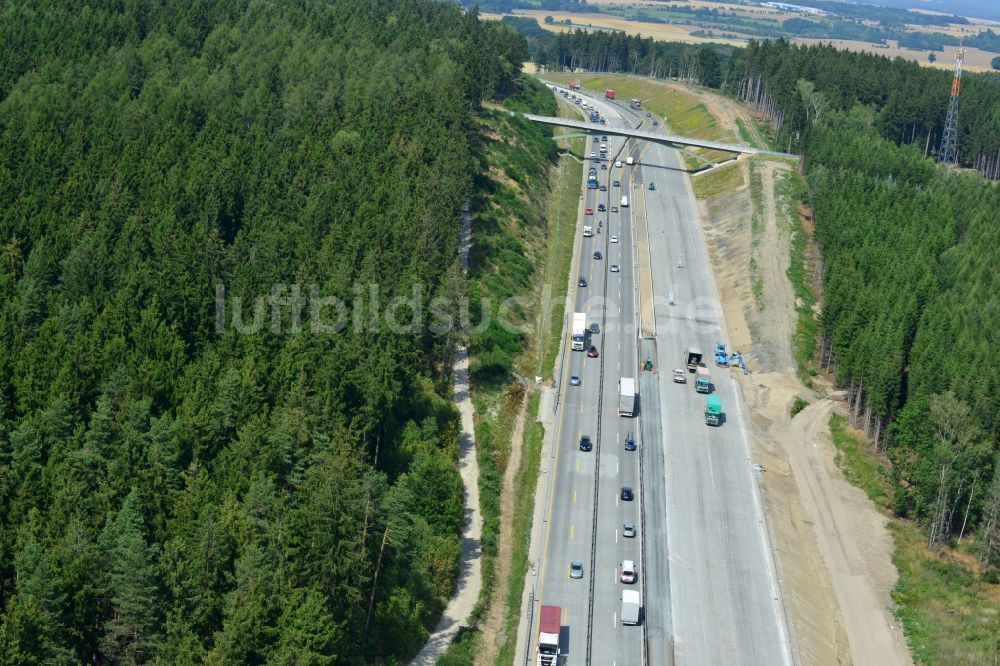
{"x":626,"y":396}
{"x":629,"y":161}
{"x":624,"y":202}
{"x":579,"y":332}
{"x":631,"y":605}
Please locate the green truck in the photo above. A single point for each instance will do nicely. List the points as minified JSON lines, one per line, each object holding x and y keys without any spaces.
{"x":704,"y":382}
{"x":713,"y":410}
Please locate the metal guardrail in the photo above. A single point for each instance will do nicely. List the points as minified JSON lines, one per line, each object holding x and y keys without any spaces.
{"x":531,"y":622}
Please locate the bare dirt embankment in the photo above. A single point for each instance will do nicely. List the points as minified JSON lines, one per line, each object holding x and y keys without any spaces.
{"x":834,"y":553}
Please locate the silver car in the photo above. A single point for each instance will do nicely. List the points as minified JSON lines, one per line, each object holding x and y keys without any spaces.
{"x":576,"y":569}
{"x":628,"y":530}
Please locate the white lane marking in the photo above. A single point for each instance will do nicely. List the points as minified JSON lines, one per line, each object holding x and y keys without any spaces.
{"x":614,"y":620}
{"x":616,"y":535}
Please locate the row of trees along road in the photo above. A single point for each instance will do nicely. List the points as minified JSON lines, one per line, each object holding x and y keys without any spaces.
{"x":910,"y":320}
{"x":171,"y":492}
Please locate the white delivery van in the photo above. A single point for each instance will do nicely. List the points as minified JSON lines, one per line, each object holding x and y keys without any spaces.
{"x":631,"y":606}
{"x":624,"y":202}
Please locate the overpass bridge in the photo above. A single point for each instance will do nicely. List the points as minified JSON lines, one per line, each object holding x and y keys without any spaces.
{"x":656,"y":137}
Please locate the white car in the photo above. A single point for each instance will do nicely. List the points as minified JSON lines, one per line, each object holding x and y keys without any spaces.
{"x":614,"y":239}
{"x":618,"y":163}
{"x":680,"y":377}
{"x":628,"y":571}
{"x":614,"y":268}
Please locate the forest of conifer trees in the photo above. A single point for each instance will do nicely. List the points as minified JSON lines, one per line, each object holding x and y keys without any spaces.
{"x":173,"y":491}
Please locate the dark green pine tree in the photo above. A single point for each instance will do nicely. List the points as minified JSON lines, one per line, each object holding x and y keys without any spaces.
{"x":32,"y":631}
{"x":131,"y":633}
{"x":307,"y":633}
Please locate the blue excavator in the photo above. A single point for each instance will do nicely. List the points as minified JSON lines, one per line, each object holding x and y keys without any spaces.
{"x":726,"y":360}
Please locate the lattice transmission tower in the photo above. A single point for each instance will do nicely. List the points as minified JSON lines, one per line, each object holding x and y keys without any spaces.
{"x":949,"y":141}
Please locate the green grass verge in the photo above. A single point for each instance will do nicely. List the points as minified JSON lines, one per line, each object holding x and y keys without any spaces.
{"x":798,"y":405}
{"x":950,"y":613}
{"x":746,"y":136}
{"x":524,"y":503}
{"x":723,"y":179}
{"x":860,"y":468}
{"x":756,"y":227}
{"x":561,"y":218}
{"x":791,"y":190}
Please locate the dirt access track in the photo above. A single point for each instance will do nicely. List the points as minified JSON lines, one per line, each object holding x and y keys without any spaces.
{"x":833,"y":551}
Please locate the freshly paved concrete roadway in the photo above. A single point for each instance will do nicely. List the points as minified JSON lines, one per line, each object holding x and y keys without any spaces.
{"x":710,"y":593}
{"x":569,"y":531}
{"x":726,"y":607}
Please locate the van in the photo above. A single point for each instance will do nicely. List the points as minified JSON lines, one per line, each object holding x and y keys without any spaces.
{"x":588,"y":232}
{"x":624,"y":202}
{"x":618,"y":163}
{"x":631,"y":607}
{"x":629,"y":161}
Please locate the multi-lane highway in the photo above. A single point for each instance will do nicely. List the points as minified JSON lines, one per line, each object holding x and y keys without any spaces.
{"x":725,"y":602}
{"x":586,"y":514}
{"x":708,"y":583}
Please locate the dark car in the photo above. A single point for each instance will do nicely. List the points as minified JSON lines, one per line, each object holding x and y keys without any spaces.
{"x":601,"y":207}
{"x":598,"y":256}
{"x":582,"y":281}
{"x":614,"y":209}
{"x":592,"y":352}
{"x":604,"y":138}
{"x":655,"y":123}
{"x":617,"y":183}
{"x":630,"y":442}
{"x":604,"y":188}
{"x":627,"y":494}
{"x":604,"y":167}
{"x":585,"y":443}
{"x":595,"y":328}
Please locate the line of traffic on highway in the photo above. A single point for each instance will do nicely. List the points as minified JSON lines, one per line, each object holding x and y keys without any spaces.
{"x":594,"y":501}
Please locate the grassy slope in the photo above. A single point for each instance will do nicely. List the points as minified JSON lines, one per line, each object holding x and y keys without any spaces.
{"x":522,"y":240}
